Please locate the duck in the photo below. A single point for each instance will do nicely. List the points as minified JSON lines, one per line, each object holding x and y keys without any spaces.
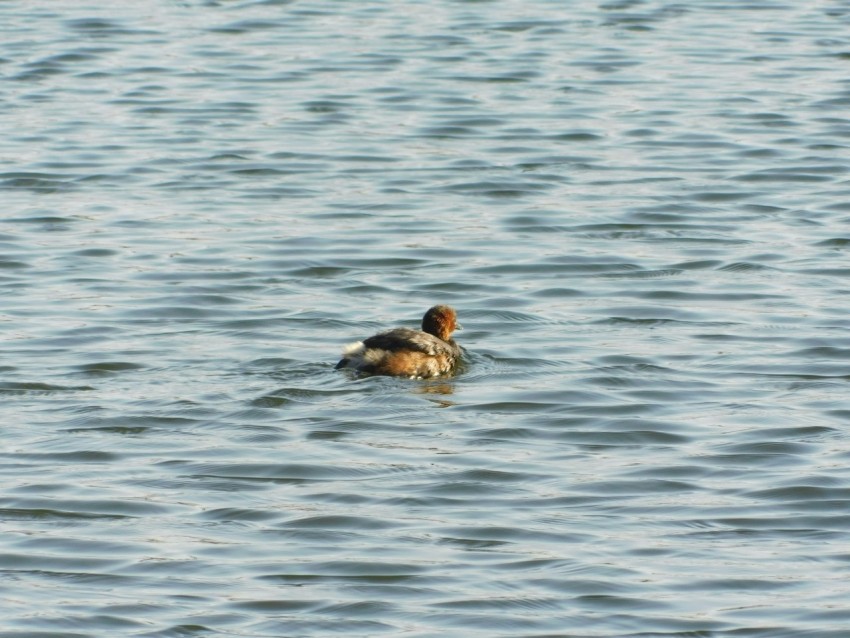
{"x":405,"y":352}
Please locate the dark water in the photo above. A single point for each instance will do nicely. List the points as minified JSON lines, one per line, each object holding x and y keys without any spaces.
{"x":640,"y":209}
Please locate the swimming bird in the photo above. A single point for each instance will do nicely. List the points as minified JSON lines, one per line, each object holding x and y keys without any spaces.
{"x":404,"y":352}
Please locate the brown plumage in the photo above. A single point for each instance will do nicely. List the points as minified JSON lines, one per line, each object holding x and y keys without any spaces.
{"x":404,"y":352}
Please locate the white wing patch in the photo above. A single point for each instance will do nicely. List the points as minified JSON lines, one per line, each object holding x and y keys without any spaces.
{"x":353,"y":350}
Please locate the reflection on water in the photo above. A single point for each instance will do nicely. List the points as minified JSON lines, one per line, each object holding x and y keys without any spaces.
{"x":638,"y":209}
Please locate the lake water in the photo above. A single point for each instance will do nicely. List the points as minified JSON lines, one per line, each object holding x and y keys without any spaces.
{"x":639,"y":208}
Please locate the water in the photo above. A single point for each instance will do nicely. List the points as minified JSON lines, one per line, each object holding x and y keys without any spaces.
{"x":640,"y":211}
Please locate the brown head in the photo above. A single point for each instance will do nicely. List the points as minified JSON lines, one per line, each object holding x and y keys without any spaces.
{"x":440,"y":321}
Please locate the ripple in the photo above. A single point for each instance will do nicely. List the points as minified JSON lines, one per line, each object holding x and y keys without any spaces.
{"x":108,"y":367}
{"x":339,"y":522}
{"x":266,"y":472}
{"x":34,"y":388}
{"x":36,"y":182}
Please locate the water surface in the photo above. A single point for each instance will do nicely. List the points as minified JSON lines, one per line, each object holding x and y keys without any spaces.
{"x":640,"y":210}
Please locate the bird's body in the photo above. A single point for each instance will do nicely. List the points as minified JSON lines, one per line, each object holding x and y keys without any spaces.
{"x":405,"y":352}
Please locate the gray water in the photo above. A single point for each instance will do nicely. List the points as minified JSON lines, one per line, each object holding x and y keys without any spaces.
{"x":639,"y":209}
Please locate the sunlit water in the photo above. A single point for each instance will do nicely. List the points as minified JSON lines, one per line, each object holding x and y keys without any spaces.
{"x":640,"y":210}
